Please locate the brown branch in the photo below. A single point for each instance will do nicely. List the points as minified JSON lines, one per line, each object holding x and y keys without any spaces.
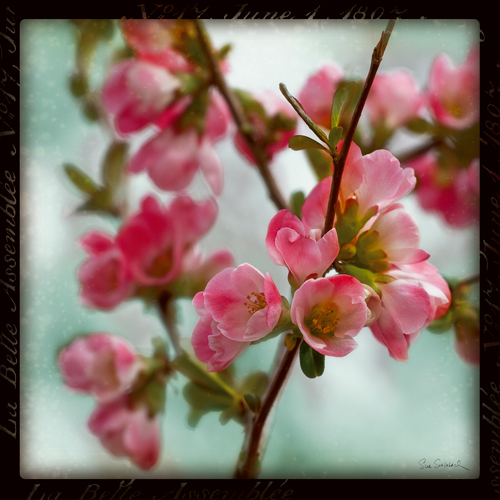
{"x":249,"y":466}
{"x":420,"y":150}
{"x":167,"y":315}
{"x":339,"y":164}
{"x":239,"y":118}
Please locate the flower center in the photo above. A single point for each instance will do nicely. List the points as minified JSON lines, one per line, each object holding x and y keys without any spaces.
{"x":161,"y":265}
{"x":323,"y":321}
{"x":256,"y":302}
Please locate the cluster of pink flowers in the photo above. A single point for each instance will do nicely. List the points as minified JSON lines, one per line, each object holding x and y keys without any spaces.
{"x":107,"y":367}
{"x":384,"y":282}
{"x":153,"y":248}
{"x":450,"y":100}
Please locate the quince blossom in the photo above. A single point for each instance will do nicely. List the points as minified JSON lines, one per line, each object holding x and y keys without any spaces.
{"x":369,"y":184}
{"x":245,"y":304}
{"x":127,"y":431}
{"x":453,"y":91}
{"x":305,"y":255}
{"x":137,"y":92}
{"x":329,"y":313}
{"x":393,"y":99}
{"x":105,"y":277}
{"x":210,"y":345}
{"x":99,"y":364}
{"x":154,"y":240}
{"x":316,"y":96}
{"x":418,"y":296}
{"x":452,"y":192}
{"x":173,"y":158}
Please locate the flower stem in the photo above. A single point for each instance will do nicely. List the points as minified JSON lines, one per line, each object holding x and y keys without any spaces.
{"x":339,"y":164}
{"x":420,"y":150}
{"x":249,"y":464}
{"x":167,"y":315}
{"x":239,"y":118}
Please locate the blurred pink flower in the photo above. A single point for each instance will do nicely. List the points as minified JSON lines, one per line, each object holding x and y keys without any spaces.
{"x":245,"y":304}
{"x":136,"y":93}
{"x":272,"y":138}
{"x":105,"y":278}
{"x":154,"y":240}
{"x":305,"y":255}
{"x":99,"y":364}
{"x":453,"y":91}
{"x":127,"y":431}
{"x":210,"y":345}
{"x":316,"y":95}
{"x":453,"y":192}
{"x":172,"y":159}
{"x":393,"y":99}
{"x":329,"y":312}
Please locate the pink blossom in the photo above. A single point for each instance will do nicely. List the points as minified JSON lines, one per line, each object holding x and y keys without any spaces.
{"x":198,"y":270}
{"x":245,"y":304}
{"x":137,"y":92}
{"x":316,"y":96}
{"x":305,"y":255}
{"x":329,"y":312}
{"x":218,"y":119}
{"x":432,"y":282}
{"x":153,"y":240}
{"x":105,"y":277}
{"x":373,"y":181}
{"x":127,"y":431}
{"x":210,"y":345}
{"x":393,"y":99}
{"x":453,"y":91}
{"x":99,"y":364}
{"x":151,"y":35}
{"x":153,"y":40}
{"x":272,"y":139}
{"x":418,"y":296}
{"x":172,"y":159}
{"x":393,"y":236}
{"x":452,"y":192}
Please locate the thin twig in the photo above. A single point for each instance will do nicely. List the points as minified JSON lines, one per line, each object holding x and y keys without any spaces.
{"x":167,"y":315}
{"x":239,"y":118}
{"x":248,"y":467}
{"x":420,"y":150}
{"x":339,"y":164}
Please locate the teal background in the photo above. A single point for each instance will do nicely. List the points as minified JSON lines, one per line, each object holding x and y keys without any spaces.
{"x":368,"y":416}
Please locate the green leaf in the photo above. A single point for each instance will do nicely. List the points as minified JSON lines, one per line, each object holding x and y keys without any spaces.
{"x":334,"y":137}
{"x":113,"y":164}
{"x":203,"y":399}
{"x":321,"y":163}
{"x":297,"y":200}
{"x":224,"y":51}
{"x":196,"y":372}
{"x":420,"y":126}
{"x":299,"y":142}
{"x":81,"y":180}
{"x":343,"y":96}
{"x":254,"y":383}
{"x":79,"y":84}
{"x":312,"y":362}
{"x":253,"y":402}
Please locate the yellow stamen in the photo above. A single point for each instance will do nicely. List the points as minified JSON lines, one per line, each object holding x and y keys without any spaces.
{"x":323,"y":321}
{"x":256,"y":302}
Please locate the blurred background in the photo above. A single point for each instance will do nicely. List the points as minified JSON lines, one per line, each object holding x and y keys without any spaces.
{"x":368,"y":416}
